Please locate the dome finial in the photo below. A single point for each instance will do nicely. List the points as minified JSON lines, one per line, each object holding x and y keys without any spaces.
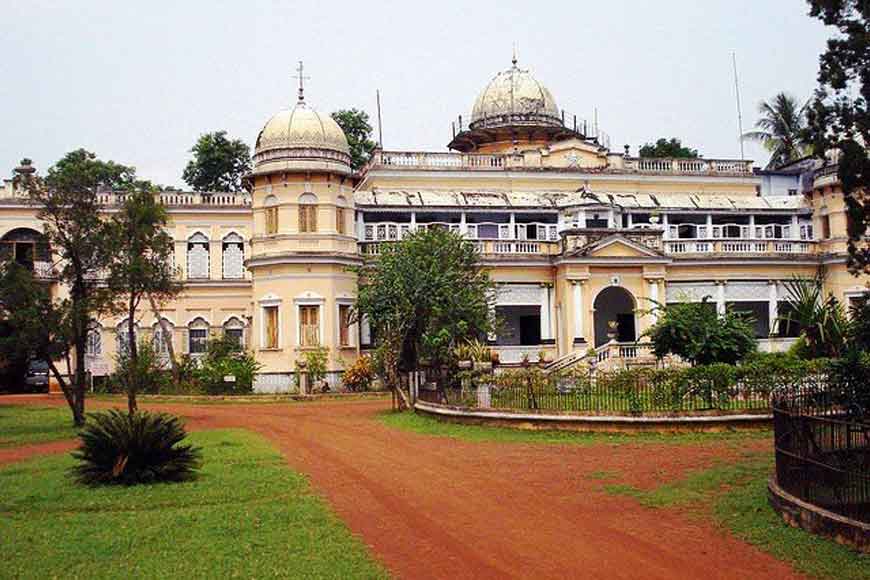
{"x":302,"y":79}
{"x":514,"y":57}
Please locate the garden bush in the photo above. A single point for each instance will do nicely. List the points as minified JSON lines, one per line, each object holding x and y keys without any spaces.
{"x":360,"y":375}
{"x":128,"y":449}
{"x":148,"y":374}
{"x":225,"y":358}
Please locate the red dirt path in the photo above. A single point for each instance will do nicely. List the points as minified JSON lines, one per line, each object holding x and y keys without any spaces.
{"x":441,"y":508}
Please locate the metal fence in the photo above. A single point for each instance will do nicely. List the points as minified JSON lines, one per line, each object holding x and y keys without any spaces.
{"x":823,"y":450}
{"x":631,"y":395}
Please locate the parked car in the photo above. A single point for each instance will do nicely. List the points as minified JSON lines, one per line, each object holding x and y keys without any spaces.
{"x":36,"y":377}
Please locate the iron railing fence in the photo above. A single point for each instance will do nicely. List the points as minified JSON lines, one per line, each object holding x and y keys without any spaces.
{"x":634,"y":395}
{"x":822,"y":446}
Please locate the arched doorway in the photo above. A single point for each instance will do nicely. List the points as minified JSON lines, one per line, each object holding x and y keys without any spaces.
{"x":614,"y":303}
{"x":24,"y":246}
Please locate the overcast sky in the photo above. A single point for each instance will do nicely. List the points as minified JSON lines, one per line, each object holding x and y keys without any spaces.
{"x":138,"y":85}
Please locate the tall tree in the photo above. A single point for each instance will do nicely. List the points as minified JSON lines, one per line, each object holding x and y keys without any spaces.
{"x":69,"y":205}
{"x":358,"y":130}
{"x":422,"y":297}
{"x":141,"y":268}
{"x":780,"y":128}
{"x":668,"y":148}
{"x":839,"y":116}
{"x":218,"y":163}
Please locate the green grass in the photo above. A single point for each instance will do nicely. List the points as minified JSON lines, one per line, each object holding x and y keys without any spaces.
{"x":419,"y":423}
{"x":737,"y":496}
{"x":247,"y":515}
{"x":20,"y":424}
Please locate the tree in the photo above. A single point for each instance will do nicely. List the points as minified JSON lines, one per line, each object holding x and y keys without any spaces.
{"x":141,"y":268}
{"x":666,"y":148}
{"x":696,"y":333}
{"x":823,"y":324}
{"x":422,"y":297}
{"x":781,"y":128}
{"x":356,"y":127}
{"x":38,"y":326}
{"x":69,"y":206}
{"x":839,"y":116}
{"x":218,"y":163}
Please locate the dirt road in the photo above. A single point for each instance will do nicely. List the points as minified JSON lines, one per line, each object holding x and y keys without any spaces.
{"x":441,"y":508}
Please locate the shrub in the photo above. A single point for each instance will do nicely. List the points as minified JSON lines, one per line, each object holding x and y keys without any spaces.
{"x":225,"y":358}
{"x":129,"y":449}
{"x":315,"y":361}
{"x":146,"y":375}
{"x":359,"y":376}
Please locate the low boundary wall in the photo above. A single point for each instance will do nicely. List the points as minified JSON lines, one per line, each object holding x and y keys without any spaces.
{"x":816,"y":520}
{"x":601,"y":423}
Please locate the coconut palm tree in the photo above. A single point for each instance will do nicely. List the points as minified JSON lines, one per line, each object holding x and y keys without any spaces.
{"x":780,"y":129}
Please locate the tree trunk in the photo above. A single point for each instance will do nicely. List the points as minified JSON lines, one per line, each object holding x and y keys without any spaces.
{"x":80,"y":335}
{"x":78,"y":419}
{"x":169,"y":347}
{"x":133,"y":359}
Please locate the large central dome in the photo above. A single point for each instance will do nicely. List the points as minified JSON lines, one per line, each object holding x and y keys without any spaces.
{"x":301,"y":139}
{"x":514,"y":97}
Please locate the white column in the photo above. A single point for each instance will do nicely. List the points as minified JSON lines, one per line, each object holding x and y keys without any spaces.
{"x":463,"y":228}
{"x":365,"y":332}
{"x":491,"y":336}
{"x":709,"y":225}
{"x":610,"y":218}
{"x":667,"y":233}
{"x":795,"y":229}
{"x":577,"y":295}
{"x":581,"y":218}
{"x":772,"y":310}
{"x":630,"y":220}
{"x":720,"y":298}
{"x":545,"y":313}
{"x":751,"y":226}
{"x":413,"y":221}
{"x":654,"y":298}
{"x":512,"y":233}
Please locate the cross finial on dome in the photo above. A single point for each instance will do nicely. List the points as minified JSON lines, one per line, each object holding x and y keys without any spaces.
{"x":514,"y":58}
{"x":302,"y":79}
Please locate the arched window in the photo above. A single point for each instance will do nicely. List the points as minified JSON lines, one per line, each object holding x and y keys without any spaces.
{"x":271,"y":204}
{"x":233,"y":257}
{"x":197,"y":256}
{"x":234,"y":328}
{"x":122,"y":337}
{"x":161,"y":338}
{"x":94,"y":344}
{"x":197,"y":331}
{"x":307,"y":213}
{"x":341,"y":215}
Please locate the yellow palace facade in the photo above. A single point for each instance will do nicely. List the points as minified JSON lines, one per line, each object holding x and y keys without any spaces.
{"x":581,"y":240}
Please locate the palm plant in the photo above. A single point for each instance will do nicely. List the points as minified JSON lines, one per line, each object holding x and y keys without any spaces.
{"x":822,"y":320}
{"x":780,"y":129}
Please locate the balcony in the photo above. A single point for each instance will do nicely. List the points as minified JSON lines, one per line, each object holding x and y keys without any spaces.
{"x":184,"y":199}
{"x":739,"y":246}
{"x":491,"y":248}
{"x":688,"y":166}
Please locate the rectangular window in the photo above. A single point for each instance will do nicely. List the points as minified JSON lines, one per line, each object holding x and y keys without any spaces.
{"x":826,"y":227}
{"x":309,"y":325}
{"x":271,"y":220}
{"x":307,"y":219}
{"x":344,"y":325}
{"x":197,"y":341}
{"x":235,"y":334}
{"x":339,"y":220}
{"x":270,"y":321}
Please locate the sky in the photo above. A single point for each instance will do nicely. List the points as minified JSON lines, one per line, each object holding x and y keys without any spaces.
{"x":139,"y":82}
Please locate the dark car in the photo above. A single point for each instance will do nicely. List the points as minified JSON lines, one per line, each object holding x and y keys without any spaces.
{"x":36,"y":377}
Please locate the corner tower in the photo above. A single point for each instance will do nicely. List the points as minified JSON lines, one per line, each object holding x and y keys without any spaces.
{"x":303,"y":243}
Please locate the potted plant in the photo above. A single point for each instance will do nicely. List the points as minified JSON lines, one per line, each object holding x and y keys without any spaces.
{"x":544,"y":358}
{"x":612,"y":329}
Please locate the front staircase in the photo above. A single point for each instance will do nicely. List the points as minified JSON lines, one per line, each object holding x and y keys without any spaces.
{"x":610,"y":356}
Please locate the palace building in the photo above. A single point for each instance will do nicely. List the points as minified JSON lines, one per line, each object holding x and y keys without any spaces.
{"x":582,"y":240}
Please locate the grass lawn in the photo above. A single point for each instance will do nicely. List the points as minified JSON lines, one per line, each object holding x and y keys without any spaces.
{"x":247,"y":515}
{"x":20,"y":424}
{"x":735,"y":495}
{"x":425,"y":425}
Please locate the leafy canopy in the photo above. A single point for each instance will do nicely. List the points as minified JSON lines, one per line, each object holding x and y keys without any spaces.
{"x":425,"y":295}
{"x":696,"y":333}
{"x":668,"y":148}
{"x":218,"y":163}
{"x":839,"y":116}
{"x":780,"y":128}
{"x":358,"y":130}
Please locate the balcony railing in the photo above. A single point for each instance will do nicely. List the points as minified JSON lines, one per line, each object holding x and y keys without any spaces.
{"x":679,"y":247}
{"x":182,"y":198}
{"x":424,"y":160}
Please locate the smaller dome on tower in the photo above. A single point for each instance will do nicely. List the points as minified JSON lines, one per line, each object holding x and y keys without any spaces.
{"x":301,"y":139}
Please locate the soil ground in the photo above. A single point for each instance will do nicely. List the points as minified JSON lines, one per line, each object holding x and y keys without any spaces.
{"x":434,"y":507}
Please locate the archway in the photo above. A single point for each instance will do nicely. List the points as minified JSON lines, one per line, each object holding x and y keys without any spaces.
{"x":614,"y":303}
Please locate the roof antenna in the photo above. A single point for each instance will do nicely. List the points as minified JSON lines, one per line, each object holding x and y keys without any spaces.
{"x":739,"y":112}
{"x":302,"y":79}
{"x":380,"y":130}
{"x":514,"y":58}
